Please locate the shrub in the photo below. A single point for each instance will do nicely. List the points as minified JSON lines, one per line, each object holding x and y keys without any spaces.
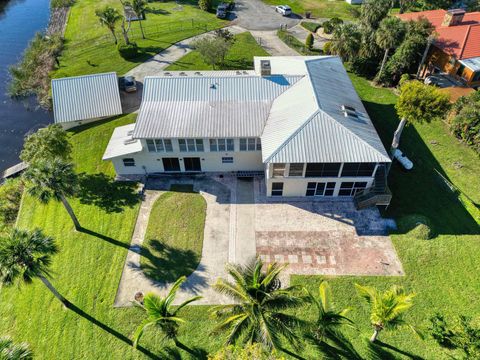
{"x":10,"y":197}
{"x":61,"y":3}
{"x":247,"y":352}
{"x":404,"y":78}
{"x":417,"y":226}
{"x":129,"y":51}
{"x":465,"y":120}
{"x":205,"y":5}
{"x":310,"y":26}
{"x":330,"y":25}
{"x":441,"y":332}
{"x":363,"y":66}
{"x":327,"y":48}
{"x":309,"y":41}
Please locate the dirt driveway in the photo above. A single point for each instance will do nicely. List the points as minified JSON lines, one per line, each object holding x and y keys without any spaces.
{"x":323,"y":237}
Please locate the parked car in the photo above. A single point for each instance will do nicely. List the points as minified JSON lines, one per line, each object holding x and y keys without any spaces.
{"x":127,"y":83}
{"x":285,"y":10}
{"x":222,"y":10}
{"x":231,"y":6}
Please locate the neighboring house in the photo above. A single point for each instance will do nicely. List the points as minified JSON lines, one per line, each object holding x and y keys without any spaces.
{"x":297,"y":120}
{"x":354,"y":2}
{"x":456,"y":50}
{"x":80,"y":100}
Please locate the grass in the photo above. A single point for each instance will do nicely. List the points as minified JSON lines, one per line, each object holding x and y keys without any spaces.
{"x":319,"y":8}
{"x":310,"y":26}
{"x":89,"y":46}
{"x":174,"y":237}
{"x":296,"y":44}
{"x":442,"y":271}
{"x":239,"y":57}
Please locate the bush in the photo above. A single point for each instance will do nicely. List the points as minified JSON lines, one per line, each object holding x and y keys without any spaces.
{"x":417,"y":226}
{"x":327,"y":48}
{"x":205,"y":5}
{"x":129,"y":51}
{"x":465,"y":120}
{"x":61,"y":3}
{"x":363,"y":66}
{"x":310,"y":26}
{"x":10,"y":197}
{"x":247,"y":352}
{"x":309,"y":41}
{"x":330,"y":25}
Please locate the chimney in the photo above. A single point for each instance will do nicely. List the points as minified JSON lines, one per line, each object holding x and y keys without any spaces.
{"x":265,"y":68}
{"x":453,"y":17}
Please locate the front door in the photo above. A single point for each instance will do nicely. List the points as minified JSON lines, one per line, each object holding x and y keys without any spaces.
{"x":192,"y":164}
{"x":171,"y":164}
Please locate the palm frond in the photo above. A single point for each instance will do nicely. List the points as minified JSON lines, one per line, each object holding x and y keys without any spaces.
{"x":185,"y":303}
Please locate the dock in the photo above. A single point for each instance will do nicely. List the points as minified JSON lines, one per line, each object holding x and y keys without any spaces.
{"x":13,"y":171}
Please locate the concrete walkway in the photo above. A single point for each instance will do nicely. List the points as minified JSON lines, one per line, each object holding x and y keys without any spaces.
{"x":157,"y":64}
{"x":218,"y":243}
{"x":300,"y":33}
{"x":272,"y":44}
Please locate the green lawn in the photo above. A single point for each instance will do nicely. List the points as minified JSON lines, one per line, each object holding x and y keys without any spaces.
{"x":174,"y":239}
{"x":319,"y":8}
{"x":90,"y":48}
{"x":239,"y":57}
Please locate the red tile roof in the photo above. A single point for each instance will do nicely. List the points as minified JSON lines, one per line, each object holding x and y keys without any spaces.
{"x":461,"y":40}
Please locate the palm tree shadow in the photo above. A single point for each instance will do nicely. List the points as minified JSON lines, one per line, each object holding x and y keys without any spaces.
{"x":104,"y":237}
{"x":384,"y":346}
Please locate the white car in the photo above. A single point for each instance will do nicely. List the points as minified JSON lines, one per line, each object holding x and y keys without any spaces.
{"x":285,"y":10}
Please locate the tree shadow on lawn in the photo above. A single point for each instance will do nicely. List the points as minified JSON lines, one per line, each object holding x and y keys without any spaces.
{"x":166,"y":263}
{"x":106,"y":193}
{"x":421,"y":190}
{"x":380,"y":349}
{"x":104,"y":237}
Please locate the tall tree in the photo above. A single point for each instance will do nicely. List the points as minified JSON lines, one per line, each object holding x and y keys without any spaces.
{"x":53,"y":179}
{"x":47,"y":143}
{"x":326,"y":334}
{"x":389,"y":35}
{"x":372,"y":12}
{"x":139,"y":7}
{"x":162,"y":315}
{"x":109,"y":16}
{"x":25,"y":256}
{"x":259,"y":301}
{"x":387,"y":308}
{"x":12,"y":351}
{"x":213,"y":49}
{"x":346,"y":41}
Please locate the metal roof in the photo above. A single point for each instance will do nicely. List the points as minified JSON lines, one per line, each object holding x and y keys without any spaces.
{"x":175,"y":107}
{"x":315,"y":120}
{"x":472,"y":63}
{"x":85,"y":97}
{"x":121,"y":143}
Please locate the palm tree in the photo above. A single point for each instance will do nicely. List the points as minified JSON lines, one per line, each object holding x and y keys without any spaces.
{"x":256,"y":316}
{"x":161,"y":314}
{"x":389,"y":35}
{"x":387,"y":308}
{"x":109,"y":16}
{"x":346,"y":41}
{"x":11,"y":351}
{"x":26,"y":255}
{"x":53,"y":179}
{"x":139,"y":7}
{"x":326,"y":332}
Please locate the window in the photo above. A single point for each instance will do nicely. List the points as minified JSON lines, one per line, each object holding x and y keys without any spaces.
{"x":159,"y":145}
{"x":250,"y":144}
{"x":128,"y":162}
{"x":358,"y":169}
{"x":221,"y":145}
{"x":190,"y":145}
{"x":351,"y":188}
{"x":320,"y":189}
{"x":322,"y":169}
{"x":476,"y":76}
{"x":277,"y":189}
{"x":296,"y":169}
{"x":227,"y":160}
{"x":278,"y":170}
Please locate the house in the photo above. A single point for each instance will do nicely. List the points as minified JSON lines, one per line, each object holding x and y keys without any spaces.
{"x":80,"y":100}
{"x":296,"y":120}
{"x":456,"y":50}
{"x":354,"y":2}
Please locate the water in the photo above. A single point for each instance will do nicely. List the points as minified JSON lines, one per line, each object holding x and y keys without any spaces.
{"x":19,"y":21}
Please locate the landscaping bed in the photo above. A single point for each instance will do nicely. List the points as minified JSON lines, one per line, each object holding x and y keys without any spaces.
{"x":174,"y":238}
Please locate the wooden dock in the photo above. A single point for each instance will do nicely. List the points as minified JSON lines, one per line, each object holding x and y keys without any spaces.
{"x":12,"y":171}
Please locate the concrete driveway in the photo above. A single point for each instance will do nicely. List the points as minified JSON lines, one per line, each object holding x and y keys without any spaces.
{"x":256,"y":15}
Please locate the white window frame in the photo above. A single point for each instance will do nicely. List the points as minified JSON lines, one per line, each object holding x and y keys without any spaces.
{"x":130,"y":161}
{"x":276,"y":172}
{"x":227,"y":160}
{"x":160,"y":145}
{"x":290,"y":169}
{"x":250,"y":144}
{"x":221,"y":145}
{"x":191,"y":145}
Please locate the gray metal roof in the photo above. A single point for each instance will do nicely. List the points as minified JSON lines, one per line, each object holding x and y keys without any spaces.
{"x":472,"y":63}
{"x":85,"y":97}
{"x":121,"y":143}
{"x":232,"y":106}
{"x":315,"y":128}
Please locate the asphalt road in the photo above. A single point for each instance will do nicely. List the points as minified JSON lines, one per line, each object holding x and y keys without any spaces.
{"x":256,"y":15}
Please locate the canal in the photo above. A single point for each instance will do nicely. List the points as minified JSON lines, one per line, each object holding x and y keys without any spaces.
{"x":19,"y":21}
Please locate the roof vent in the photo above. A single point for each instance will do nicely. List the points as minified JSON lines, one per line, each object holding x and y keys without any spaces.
{"x":213,"y":86}
{"x":265,"y":68}
{"x":453,"y":17}
{"x":167,"y":73}
{"x":245,"y":72}
{"x":238,"y":72}
{"x":198,"y":73}
{"x":349,"y":111}
{"x":129,"y":141}
{"x":183,"y":74}
{"x":130,"y":133}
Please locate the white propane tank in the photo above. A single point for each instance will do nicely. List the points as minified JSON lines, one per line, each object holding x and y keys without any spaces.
{"x":402,"y":159}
